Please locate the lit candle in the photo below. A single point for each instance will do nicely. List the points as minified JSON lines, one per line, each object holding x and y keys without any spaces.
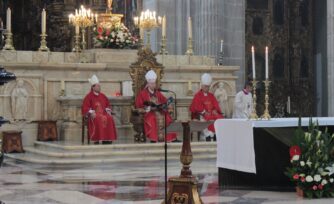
{"x":164,"y":26}
{"x":43,"y":21}
{"x":190,"y":33}
{"x":9,"y":21}
{"x":221,"y":45}
{"x":267,"y":69}
{"x":77,"y":31}
{"x":253,"y":62}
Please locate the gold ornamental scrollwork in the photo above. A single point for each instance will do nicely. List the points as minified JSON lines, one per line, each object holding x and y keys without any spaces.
{"x":180,"y":198}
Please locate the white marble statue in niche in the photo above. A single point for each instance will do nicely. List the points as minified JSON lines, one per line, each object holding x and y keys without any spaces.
{"x":222,"y":97}
{"x":19,"y":101}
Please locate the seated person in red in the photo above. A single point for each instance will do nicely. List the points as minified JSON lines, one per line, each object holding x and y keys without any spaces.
{"x":154,"y":120}
{"x":96,"y":107}
{"x":205,"y":107}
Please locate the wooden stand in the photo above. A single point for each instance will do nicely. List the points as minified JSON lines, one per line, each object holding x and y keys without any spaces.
{"x":12,"y":142}
{"x":183,"y":189}
{"x":47,"y":130}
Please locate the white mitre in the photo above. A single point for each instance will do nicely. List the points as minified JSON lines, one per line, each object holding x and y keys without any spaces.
{"x":94,"y":80}
{"x":151,"y":76}
{"x":206,"y":79}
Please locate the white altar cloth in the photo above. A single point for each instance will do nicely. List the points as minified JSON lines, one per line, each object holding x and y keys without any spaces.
{"x":235,"y":139}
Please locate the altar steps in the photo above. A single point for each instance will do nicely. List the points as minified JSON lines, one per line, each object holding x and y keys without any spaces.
{"x":62,"y":154}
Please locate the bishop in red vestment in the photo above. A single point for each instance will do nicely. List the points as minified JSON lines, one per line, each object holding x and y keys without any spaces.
{"x":205,"y":106}
{"x":154,"y":120}
{"x":96,"y":106}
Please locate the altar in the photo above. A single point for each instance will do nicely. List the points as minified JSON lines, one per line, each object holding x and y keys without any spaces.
{"x":255,"y":153}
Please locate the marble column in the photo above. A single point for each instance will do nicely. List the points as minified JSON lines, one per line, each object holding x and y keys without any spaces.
{"x":330,"y":57}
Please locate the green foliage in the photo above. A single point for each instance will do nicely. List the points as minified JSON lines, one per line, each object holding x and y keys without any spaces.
{"x":312,"y":161}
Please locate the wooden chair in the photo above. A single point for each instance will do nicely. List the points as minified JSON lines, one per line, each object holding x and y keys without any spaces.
{"x":146,"y":61}
{"x":85,"y":123}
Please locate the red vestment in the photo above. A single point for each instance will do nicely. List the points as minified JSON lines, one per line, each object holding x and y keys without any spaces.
{"x":102,"y":127}
{"x":152,"y":119}
{"x":207,"y":103}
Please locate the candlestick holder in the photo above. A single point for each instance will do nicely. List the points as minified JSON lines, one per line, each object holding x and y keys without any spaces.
{"x":163,"y":50}
{"x":76,"y":43}
{"x":253,"y":115}
{"x":266,"y":114}
{"x":83,"y":40}
{"x":43,"y":47}
{"x":9,"y":41}
{"x":220,"y":58}
{"x":190,"y":50}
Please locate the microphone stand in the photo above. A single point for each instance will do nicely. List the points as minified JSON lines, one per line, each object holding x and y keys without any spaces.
{"x":175,"y":116}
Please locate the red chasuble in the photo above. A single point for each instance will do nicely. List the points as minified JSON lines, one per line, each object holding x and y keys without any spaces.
{"x":208,"y":103}
{"x":154,"y":120}
{"x":102,"y":127}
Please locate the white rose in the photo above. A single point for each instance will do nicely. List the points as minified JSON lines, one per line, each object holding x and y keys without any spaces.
{"x":113,"y":34}
{"x":111,"y":40}
{"x":317,"y":178}
{"x":331,"y":180}
{"x":324,"y":182}
{"x":309,"y":178}
{"x":295,"y":158}
{"x":309,"y":163}
{"x":302,"y":163}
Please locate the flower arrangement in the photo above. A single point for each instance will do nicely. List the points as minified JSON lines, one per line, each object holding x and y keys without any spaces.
{"x":114,"y":36}
{"x":312,"y":162}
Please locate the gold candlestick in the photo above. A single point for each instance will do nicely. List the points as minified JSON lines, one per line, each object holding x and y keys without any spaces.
{"x":253,"y":115}
{"x":83,"y":42}
{"x":190,"y":50}
{"x":163,"y":50}
{"x":266,"y":114}
{"x":43,"y":46}
{"x":76,"y":43}
{"x":9,"y":41}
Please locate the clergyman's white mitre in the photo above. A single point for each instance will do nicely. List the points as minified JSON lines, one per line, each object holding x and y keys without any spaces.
{"x":93,"y":80}
{"x":151,"y":76}
{"x":206,"y":79}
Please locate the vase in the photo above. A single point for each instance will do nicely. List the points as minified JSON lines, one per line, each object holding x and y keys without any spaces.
{"x":299,"y":192}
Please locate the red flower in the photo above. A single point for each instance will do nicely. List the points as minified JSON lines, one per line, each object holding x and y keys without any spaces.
{"x":315,"y":187}
{"x":100,"y":30}
{"x":295,"y":150}
{"x":107,"y":32}
{"x":320,"y":186}
{"x":302,"y":179}
{"x":296,"y":176}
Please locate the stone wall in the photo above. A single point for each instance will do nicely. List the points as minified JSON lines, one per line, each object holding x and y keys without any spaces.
{"x":44,"y":75}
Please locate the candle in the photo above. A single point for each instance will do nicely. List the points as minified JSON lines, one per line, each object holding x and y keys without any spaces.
{"x":221,"y":45}
{"x":190,"y":32}
{"x":267,"y":69}
{"x":77,"y":31}
{"x":43,"y":21}
{"x":164,"y":26}
{"x":62,"y":85}
{"x":9,"y":21}
{"x":189,"y":85}
{"x":253,"y":62}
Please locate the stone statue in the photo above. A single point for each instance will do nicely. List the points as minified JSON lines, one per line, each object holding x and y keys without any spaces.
{"x":19,"y":101}
{"x":221,"y":95}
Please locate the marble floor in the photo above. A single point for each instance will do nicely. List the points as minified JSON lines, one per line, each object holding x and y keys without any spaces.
{"x":138,"y":183}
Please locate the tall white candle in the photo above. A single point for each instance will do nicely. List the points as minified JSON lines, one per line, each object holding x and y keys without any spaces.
{"x":267,"y":63}
{"x":9,"y":21}
{"x":190,"y":32}
{"x":77,"y":31}
{"x":43,"y":21}
{"x":221,"y":45}
{"x":253,"y":62}
{"x":164,"y":26}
